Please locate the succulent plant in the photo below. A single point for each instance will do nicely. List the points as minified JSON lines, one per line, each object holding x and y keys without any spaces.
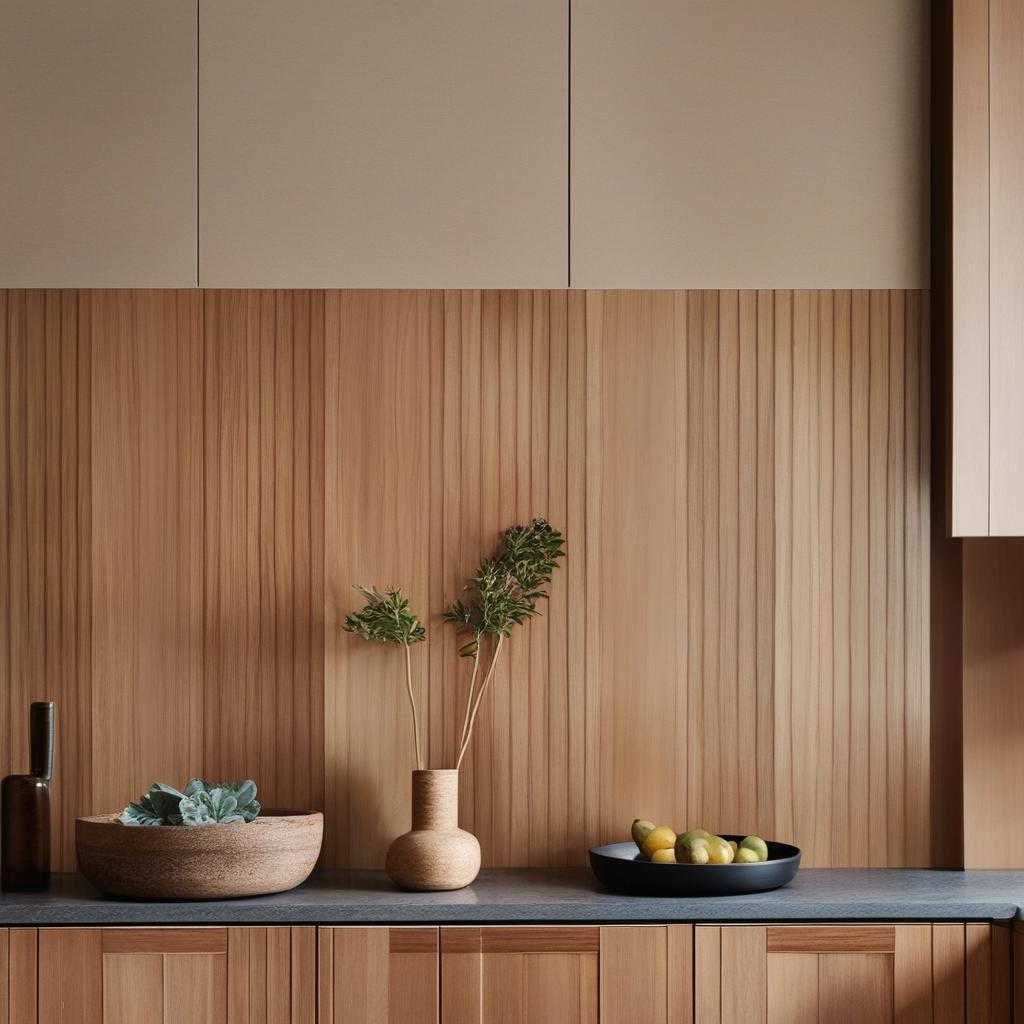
{"x":201,"y":803}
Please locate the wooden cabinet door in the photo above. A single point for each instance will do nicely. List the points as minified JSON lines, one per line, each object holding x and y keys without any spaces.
{"x":986,"y":224}
{"x":18,"y":975}
{"x":529,"y":975}
{"x":177,"y":975}
{"x":358,"y":144}
{"x":860,"y":974}
{"x":648,"y":966}
{"x":378,"y":975}
{"x":98,"y":144}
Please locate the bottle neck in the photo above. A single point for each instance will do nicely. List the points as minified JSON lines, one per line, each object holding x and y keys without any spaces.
{"x":41,"y":716}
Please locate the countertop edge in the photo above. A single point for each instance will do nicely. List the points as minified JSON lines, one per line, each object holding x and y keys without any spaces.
{"x":545,"y":897}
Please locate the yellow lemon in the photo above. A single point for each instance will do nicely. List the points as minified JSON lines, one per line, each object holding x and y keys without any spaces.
{"x":660,"y":838}
{"x":744,"y":855}
{"x":664,"y":856}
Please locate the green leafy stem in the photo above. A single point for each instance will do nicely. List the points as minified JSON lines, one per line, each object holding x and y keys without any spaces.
{"x":503,"y":593}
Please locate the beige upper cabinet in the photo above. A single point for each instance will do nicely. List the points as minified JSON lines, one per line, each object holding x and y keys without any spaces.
{"x":751,"y":144}
{"x":355,"y":143}
{"x":987,"y":206}
{"x":97,"y":143}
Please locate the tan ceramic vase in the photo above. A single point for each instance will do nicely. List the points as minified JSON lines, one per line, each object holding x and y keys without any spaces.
{"x":436,"y":854}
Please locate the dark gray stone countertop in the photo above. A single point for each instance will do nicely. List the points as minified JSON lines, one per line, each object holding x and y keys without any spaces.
{"x":545,"y":896}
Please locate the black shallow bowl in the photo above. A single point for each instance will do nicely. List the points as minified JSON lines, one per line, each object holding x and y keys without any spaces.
{"x":621,"y":868}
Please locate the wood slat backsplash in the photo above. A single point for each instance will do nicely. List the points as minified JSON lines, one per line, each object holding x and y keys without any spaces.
{"x":191,"y":482}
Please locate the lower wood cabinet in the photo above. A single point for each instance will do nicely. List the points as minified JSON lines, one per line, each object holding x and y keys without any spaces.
{"x":177,"y":976}
{"x":506,"y":975}
{"x":378,"y":975}
{"x":861,"y":974}
{"x":18,"y":976}
{"x":519,"y":975}
{"x":660,"y":974}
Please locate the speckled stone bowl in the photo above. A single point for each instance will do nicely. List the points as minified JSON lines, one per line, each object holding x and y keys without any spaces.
{"x":274,"y":853}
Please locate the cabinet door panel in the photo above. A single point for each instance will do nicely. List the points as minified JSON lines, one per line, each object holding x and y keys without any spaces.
{"x":358,"y":144}
{"x":177,"y":976}
{"x":792,"y":994}
{"x":650,"y":966}
{"x":98,"y":144}
{"x":18,"y":974}
{"x":855,"y":988}
{"x":195,"y":990}
{"x":519,"y":975}
{"x":133,"y":987}
{"x":378,"y":975}
{"x":833,"y":974}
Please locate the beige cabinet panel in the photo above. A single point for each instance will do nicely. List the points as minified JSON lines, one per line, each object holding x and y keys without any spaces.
{"x":744,"y":144}
{"x":353,"y":143}
{"x":98,"y":143}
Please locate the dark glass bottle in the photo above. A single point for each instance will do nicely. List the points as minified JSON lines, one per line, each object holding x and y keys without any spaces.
{"x":25,"y":811}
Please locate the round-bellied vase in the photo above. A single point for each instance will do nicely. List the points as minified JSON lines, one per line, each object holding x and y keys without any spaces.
{"x":436,"y":854}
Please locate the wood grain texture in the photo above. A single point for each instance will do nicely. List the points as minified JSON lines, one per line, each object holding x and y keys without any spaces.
{"x":262,"y":456}
{"x":22,"y":976}
{"x":970,"y":210}
{"x":176,"y":975}
{"x":72,"y":960}
{"x":503,"y":981}
{"x":378,"y":975}
{"x":831,"y":939}
{"x":165,"y":940}
{"x":649,"y":966}
{"x":993,"y":704}
{"x":855,"y":989}
{"x":738,"y":638}
{"x":792,"y":993}
{"x":925,"y":973}
{"x":988,"y":972}
{"x":133,"y":988}
{"x":1006,"y":257}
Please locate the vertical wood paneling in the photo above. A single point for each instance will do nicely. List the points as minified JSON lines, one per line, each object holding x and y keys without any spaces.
{"x":377,"y":440}
{"x":146,"y":540}
{"x":263,"y":541}
{"x":42,"y":524}
{"x":192,"y":482}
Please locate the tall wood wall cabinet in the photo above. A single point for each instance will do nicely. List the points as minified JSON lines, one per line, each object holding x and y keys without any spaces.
{"x":367,"y":144}
{"x":98,"y":144}
{"x":987,"y":248}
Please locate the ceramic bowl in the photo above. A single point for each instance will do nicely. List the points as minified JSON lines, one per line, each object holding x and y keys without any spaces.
{"x":621,"y":868}
{"x":275,"y":852}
